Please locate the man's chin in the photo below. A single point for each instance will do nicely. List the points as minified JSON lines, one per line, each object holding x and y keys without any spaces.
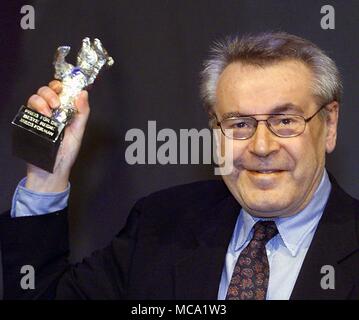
{"x":265,"y":204}
{"x":265,"y":211}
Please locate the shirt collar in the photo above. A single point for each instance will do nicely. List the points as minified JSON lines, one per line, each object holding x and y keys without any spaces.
{"x":293,"y":230}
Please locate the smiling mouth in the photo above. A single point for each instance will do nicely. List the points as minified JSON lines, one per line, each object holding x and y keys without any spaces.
{"x":269,"y":171}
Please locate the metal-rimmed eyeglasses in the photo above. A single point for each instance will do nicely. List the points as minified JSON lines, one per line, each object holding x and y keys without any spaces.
{"x":281,"y":125}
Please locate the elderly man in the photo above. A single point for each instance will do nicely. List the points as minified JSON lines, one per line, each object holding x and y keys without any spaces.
{"x":277,"y":227}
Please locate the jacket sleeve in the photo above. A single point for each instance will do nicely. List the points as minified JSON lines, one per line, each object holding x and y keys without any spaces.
{"x":42,"y":242}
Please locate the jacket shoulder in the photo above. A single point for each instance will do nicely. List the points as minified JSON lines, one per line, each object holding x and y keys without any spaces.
{"x":200,"y":193}
{"x":174,"y":205}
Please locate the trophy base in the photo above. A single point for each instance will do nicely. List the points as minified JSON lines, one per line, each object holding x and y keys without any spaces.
{"x":36,"y":138}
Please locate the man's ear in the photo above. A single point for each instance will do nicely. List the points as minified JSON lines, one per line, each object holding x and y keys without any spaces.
{"x":332,"y":125}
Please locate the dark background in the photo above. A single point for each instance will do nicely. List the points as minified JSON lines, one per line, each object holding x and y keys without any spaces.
{"x":158,"y":47}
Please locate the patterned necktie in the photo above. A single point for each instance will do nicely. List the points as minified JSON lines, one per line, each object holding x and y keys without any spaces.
{"x":251,"y":273}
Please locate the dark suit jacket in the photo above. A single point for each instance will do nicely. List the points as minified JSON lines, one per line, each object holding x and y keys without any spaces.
{"x":172,"y":247}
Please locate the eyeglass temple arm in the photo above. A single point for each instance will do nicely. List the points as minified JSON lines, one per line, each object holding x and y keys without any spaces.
{"x":215,"y":116}
{"x":322,"y":107}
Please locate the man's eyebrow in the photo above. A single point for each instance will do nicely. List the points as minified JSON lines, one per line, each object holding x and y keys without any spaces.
{"x":234,"y":114}
{"x":286,"y":107}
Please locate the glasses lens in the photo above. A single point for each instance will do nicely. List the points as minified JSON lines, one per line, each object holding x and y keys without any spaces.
{"x":286,"y":125}
{"x":239,"y":128}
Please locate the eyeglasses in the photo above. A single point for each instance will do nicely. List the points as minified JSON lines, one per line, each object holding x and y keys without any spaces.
{"x":281,"y":125}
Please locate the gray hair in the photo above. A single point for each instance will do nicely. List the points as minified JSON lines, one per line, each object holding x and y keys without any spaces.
{"x":268,"y":48}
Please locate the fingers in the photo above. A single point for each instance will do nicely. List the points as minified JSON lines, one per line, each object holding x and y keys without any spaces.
{"x":56,"y":85}
{"x":45,"y":99}
{"x":50,"y":96}
{"x":39,"y":104}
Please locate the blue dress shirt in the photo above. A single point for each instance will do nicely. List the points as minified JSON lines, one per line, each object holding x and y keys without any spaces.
{"x":286,"y":251}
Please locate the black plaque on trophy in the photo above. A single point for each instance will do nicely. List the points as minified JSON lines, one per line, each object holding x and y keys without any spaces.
{"x":36,"y":138}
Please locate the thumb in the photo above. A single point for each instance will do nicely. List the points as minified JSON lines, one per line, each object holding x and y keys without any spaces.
{"x":82,"y":103}
{"x":83,"y":112}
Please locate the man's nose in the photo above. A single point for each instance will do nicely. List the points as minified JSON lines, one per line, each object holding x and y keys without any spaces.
{"x":263,"y":143}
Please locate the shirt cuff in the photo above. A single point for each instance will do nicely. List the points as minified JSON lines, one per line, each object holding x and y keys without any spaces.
{"x":26,"y":202}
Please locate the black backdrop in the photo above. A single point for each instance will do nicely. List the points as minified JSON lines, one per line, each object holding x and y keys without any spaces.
{"x":158,"y":46}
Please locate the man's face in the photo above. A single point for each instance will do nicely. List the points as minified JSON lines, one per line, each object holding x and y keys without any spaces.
{"x":275,"y":176}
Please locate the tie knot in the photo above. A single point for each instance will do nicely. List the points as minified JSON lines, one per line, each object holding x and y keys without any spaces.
{"x":265,"y":230}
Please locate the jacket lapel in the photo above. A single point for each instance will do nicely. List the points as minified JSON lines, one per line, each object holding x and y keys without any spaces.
{"x":335,"y":244}
{"x":198,"y":269}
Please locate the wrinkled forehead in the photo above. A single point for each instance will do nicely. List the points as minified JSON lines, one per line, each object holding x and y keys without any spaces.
{"x":278,"y":87}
